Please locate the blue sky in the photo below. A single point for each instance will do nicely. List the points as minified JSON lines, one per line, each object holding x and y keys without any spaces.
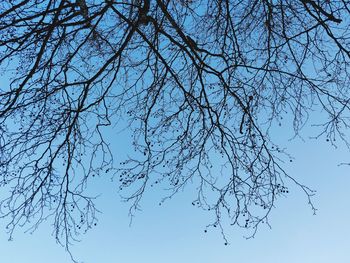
{"x":174,"y":232}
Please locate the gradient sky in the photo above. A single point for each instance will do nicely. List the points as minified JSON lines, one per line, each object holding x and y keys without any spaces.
{"x":174,"y":232}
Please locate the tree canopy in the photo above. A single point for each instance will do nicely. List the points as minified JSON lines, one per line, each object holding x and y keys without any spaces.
{"x":199,"y":83}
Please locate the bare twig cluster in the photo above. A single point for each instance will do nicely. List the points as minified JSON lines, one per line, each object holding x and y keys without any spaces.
{"x":200,"y":83}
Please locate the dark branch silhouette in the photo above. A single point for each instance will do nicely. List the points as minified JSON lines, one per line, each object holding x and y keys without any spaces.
{"x":200,"y":84}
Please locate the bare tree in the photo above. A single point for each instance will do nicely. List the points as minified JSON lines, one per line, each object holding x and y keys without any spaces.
{"x":200,"y":83}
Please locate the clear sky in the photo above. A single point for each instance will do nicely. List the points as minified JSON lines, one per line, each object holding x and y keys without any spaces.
{"x":174,"y":232}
